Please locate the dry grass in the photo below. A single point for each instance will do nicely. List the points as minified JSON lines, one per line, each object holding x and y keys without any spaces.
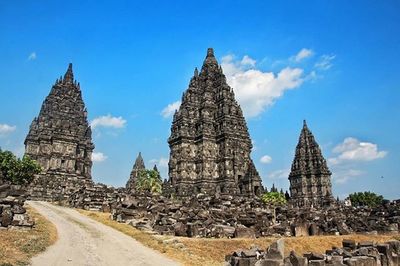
{"x":204,"y":251}
{"x":17,"y":246}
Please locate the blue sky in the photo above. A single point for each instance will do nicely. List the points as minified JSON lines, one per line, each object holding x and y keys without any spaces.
{"x":333,"y":63}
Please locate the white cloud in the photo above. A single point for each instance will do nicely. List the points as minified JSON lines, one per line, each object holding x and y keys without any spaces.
{"x":256,"y":90}
{"x":108,"y":121}
{"x":302,"y":54}
{"x":325,"y":62}
{"x":32,"y":56}
{"x":98,"y":157}
{"x":6,"y":129}
{"x":266,"y":159}
{"x":351,"y":149}
{"x":279,"y":174}
{"x":248,"y":61}
{"x":344,"y":175}
{"x":170,"y":109}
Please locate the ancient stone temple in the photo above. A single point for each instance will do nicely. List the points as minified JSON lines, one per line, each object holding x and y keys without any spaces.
{"x":60,"y":140}
{"x":137,"y":167}
{"x":210,"y":144}
{"x":310,"y":178}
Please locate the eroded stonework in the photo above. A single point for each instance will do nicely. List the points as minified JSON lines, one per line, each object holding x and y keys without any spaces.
{"x":210,"y":144}
{"x":60,"y":140}
{"x":137,"y":167}
{"x":310,"y":178}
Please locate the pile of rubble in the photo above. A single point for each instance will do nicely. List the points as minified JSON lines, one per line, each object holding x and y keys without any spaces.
{"x":12,"y":211}
{"x":201,"y":216}
{"x":339,"y":220}
{"x":97,"y":197}
{"x":364,"y":253}
{"x":228,"y":216}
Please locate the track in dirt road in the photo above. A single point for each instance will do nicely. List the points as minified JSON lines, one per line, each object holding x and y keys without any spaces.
{"x":83,"y":241}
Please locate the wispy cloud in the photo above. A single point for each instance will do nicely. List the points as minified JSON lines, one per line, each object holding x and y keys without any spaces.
{"x":32,"y":56}
{"x":98,"y":157}
{"x":302,"y":54}
{"x":6,"y":129}
{"x":255,"y":89}
{"x":170,"y":109}
{"x":108,"y":121}
{"x":325,"y":62}
{"x":266,"y":159}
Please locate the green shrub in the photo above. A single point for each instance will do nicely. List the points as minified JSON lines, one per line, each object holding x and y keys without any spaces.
{"x":366,"y":199}
{"x":17,"y":171}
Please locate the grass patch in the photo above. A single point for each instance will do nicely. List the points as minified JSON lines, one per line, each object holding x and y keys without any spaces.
{"x":17,"y":247}
{"x":209,"y":251}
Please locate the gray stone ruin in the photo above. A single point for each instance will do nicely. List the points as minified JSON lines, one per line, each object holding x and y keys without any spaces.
{"x":137,"y":167}
{"x":310,"y":178}
{"x":60,"y":140}
{"x":210,"y":144}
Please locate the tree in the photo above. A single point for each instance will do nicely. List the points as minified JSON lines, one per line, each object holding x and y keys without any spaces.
{"x":149,"y":181}
{"x":18,"y":171}
{"x":273,"y":198}
{"x":366,"y":199}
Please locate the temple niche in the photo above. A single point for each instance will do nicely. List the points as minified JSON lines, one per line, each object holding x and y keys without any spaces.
{"x":60,"y":140}
{"x":210,"y":144}
{"x":310,"y":178}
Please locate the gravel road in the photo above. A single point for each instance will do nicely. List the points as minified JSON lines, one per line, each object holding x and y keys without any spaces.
{"x":83,"y":241}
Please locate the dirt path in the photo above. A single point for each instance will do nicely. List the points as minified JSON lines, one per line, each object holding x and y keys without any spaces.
{"x":83,"y":241}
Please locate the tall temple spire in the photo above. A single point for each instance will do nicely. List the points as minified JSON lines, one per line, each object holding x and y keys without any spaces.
{"x":310,"y":178}
{"x":69,"y":75}
{"x":210,"y":64}
{"x":210,"y":144}
{"x":62,"y":125}
{"x":137,"y":167}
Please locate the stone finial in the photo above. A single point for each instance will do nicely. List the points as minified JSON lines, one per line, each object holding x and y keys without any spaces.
{"x":196,"y":72}
{"x":210,"y":52}
{"x":69,"y":75}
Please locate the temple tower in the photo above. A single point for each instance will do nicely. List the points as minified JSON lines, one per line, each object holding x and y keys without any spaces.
{"x":60,"y":140}
{"x":310,"y":178}
{"x":137,"y":167}
{"x":209,"y":143}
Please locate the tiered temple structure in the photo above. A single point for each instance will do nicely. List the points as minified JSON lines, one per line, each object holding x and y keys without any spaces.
{"x":310,"y":178}
{"x":137,"y":167}
{"x":60,"y":140}
{"x":210,"y":144}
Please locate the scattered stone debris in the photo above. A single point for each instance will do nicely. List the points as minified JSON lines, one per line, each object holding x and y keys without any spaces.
{"x":352,"y":254}
{"x":231,"y":216}
{"x":12,"y":211}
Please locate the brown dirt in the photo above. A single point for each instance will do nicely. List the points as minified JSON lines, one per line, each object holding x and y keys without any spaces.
{"x":17,"y":246}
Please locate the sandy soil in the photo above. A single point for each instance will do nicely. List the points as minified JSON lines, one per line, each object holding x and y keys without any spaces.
{"x":83,"y":241}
